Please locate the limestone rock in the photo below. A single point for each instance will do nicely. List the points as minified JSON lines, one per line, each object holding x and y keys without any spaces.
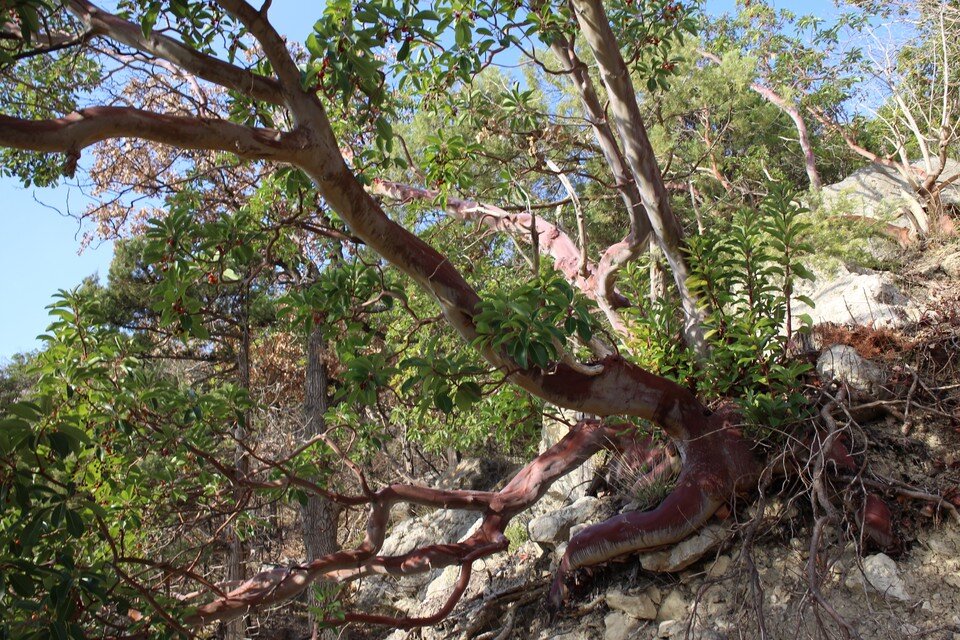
{"x":682,"y":555}
{"x":442,"y":524}
{"x":553,"y":528}
{"x":443,"y":584}
{"x":864,"y":298}
{"x":478,"y":474}
{"x":576,"y":634}
{"x":638,"y":606}
{"x":719,"y":567}
{"x":876,"y":191}
{"x":617,"y":625}
{"x":668,"y":629}
{"x":951,"y":265}
{"x":673,"y":607}
{"x":881,"y":574}
{"x":842,"y":363}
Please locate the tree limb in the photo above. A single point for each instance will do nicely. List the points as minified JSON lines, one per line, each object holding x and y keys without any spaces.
{"x":209,"y":68}
{"x":72,"y":133}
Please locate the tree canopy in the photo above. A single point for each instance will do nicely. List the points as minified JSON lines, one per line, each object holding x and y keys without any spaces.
{"x":411,"y":236}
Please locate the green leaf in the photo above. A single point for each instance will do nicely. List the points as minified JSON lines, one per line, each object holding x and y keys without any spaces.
{"x":403,"y":51}
{"x":443,"y":401}
{"x":75,"y":526}
{"x":468,"y":393}
{"x":22,"y":585}
{"x":149,"y":19}
{"x":78,"y":435}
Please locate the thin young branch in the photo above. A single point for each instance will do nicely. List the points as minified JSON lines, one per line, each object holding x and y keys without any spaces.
{"x":803,"y":133}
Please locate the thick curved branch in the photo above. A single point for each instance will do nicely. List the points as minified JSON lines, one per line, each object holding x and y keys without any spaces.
{"x":71,"y":133}
{"x":100,"y":22}
{"x":685,"y":510}
{"x":463,"y":580}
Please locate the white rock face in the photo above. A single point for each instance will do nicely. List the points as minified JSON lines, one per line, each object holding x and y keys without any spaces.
{"x":673,"y":607}
{"x":951,"y":265}
{"x":856,"y":298}
{"x":553,"y":528}
{"x":842,"y":363}
{"x":668,"y":629}
{"x":877,"y":192}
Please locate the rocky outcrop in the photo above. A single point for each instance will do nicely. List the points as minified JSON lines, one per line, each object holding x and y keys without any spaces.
{"x":881,"y":574}
{"x":554,"y":527}
{"x":686,"y":552}
{"x":950,"y":265}
{"x":882,"y":193}
{"x":862,"y":297}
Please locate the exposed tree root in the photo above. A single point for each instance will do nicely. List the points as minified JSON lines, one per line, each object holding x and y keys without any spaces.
{"x":585,"y":439}
{"x":707,"y":482}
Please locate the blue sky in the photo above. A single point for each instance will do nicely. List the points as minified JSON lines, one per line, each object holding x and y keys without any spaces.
{"x":39,"y":244}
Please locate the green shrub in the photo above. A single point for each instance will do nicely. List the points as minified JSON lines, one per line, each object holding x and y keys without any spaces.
{"x":744,"y":273}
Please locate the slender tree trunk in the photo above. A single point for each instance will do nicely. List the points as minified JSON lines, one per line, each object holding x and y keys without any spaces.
{"x":640,"y":158}
{"x":318,"y":515}
{"x":236,"y":568}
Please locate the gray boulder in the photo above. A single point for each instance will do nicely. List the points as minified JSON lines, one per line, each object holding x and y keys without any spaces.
{"x":639,"y":605}
{"x":862,"y":298}
{"x":620,"y":626}
{"x":553,"y":528}
{"x":683,"y":554}
{"x":881,"y":192}
{"x":881,"y":575}
{"x":843,"y":364}
{"x":951,"y":265}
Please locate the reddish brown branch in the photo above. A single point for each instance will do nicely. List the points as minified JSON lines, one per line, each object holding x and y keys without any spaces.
{"x":268,"y":587}
{"x":80,"y":129}
{"x":100,"y":22}
{"x":791,"y":110}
